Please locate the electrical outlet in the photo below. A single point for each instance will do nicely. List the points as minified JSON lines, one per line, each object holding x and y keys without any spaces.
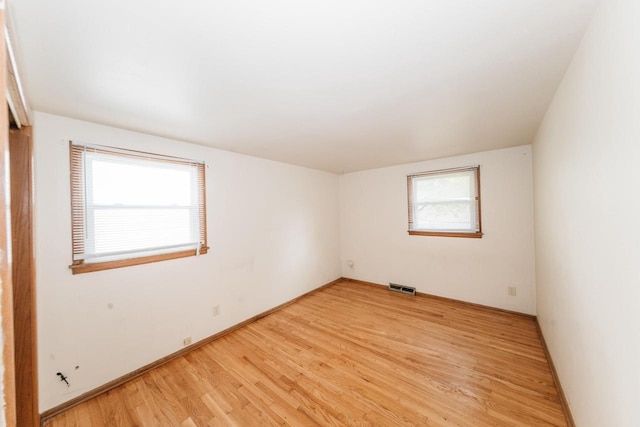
{"x":511,"y":290}
{"x":216,"y":310}
{"x":187,"y":341}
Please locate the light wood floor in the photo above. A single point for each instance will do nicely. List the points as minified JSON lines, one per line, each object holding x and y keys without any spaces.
{"x":350,"y":354}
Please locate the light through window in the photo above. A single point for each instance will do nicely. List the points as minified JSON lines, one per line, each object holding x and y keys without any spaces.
{"x":131,"y":207}
{"x":445,"y":203}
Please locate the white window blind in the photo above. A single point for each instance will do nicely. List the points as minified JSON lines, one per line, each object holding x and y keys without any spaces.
{"x":445,"y":201}
{"x":128,"y":204}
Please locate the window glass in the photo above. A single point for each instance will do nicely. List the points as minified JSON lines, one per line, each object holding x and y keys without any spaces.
{"x":134,"y":206}
{"x":445,"y":202}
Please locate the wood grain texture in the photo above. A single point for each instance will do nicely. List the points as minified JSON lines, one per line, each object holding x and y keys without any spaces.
{"x":138,"y":372}
{"x":23,"y":271}
{"x":8,"y":378}
{"x":107,"y":265}
{"x":349,"y":354}
{"x":425,"y":295}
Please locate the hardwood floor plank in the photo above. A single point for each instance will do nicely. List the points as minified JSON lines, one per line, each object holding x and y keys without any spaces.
{"x":349,"y":354}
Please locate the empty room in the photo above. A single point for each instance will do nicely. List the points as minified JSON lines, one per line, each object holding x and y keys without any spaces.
{"x":375,"y":213}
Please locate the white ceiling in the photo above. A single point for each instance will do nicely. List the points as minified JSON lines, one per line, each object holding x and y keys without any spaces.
{"x":337,"y":85}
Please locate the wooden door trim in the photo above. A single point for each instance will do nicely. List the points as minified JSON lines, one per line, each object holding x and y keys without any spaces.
{"x":6,"y":301}
{"x":23,"y":276}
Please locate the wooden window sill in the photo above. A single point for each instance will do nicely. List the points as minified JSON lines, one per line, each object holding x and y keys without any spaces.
{"x":477,"y":235}
{"x":99,"y":266}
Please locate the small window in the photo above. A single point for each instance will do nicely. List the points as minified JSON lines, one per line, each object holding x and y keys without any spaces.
{"x":445,"y":203}
{"x":131,"y":208}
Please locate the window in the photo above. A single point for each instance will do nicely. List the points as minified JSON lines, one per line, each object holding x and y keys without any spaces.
{"x":445,"y":203}
{"x":130,"y":207}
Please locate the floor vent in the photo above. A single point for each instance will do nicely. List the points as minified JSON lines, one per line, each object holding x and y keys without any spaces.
{"x":402,"y":289}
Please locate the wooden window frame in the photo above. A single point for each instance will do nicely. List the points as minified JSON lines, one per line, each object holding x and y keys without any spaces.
{"x":416,"y":232}
{"x":78,"y":208}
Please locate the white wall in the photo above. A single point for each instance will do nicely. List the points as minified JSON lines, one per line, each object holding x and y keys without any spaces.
{"x":273,"y":230}
{"x":587,"y":176}
{"x":373,"y":222}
